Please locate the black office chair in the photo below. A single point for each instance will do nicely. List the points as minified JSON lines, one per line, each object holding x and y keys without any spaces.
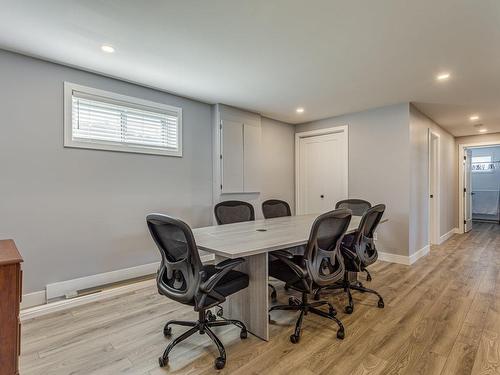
{"x":229,"y":212}
{"x":359,"y":252}
{"x":275,"y":208}
{"x":320,"y":266}
{"x":183,"y":278}
{"x":357,"y":206}
{"x":271,"y":209}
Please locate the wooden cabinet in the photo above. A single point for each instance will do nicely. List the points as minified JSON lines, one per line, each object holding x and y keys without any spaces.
{"x":238,"y":150}
{"x":10,"y":300}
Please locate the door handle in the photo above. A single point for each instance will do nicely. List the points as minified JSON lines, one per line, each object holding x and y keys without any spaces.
{"x":432,"y":196}
{"x":321,"y":196}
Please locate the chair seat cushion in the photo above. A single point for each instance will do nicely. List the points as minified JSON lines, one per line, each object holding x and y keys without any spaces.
{"x":279,"y":270}
{"x":231,"y":283}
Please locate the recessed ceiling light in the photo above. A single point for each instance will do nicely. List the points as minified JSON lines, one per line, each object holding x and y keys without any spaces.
{"x":299,"y":110}
{"x":443,"y":76}
{"x":474,"y":117}
{"x":483,"y":130}
{"x":107,"y":48}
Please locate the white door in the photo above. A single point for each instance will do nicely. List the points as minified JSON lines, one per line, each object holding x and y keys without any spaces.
{"x":467,"y":190}
{"x":433,"y":189}
{"x":322,"y":172}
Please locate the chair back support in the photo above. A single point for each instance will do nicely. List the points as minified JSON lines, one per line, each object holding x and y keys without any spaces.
{"x":357,"y":206}
{"x":322,"y":256}
{"x":275,"y":208}
{"x":363,"y":240}
{"x":179,"y":274}
{"x":233,"y":212}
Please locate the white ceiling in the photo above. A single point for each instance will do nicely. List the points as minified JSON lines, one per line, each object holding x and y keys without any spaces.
{"x":330,"y":57}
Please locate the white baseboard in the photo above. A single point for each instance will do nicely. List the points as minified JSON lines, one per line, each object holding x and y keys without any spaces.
{"x":52,"y":307}
{"x":393,"y":258}
{"x":446,"y":236}
{"x":33,"y":299}
{"x":404,"y":259}
{"x":69,"y":287}
{"x":419,"y":254}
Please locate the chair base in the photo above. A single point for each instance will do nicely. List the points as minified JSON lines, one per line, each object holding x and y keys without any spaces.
{"x":202,"y":325}
{"x":295,"y":304}
{"x":274,"y":294}
{"x":347,"y":286}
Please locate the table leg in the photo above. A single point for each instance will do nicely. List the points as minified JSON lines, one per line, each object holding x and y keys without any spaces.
{"x":250,"y":305}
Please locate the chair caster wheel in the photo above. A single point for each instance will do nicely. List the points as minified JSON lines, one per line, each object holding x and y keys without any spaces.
{"x":340,"y":334}
{"x":211,"y":317}
{"x":316,"y":297}
{"x":332,"y":312}
{"x":220,"y":312}
{"x":220,"y":363}
{"x":381,"y":304}
{"x":349,"y":309}
{"x":290,"y":301}
{"x":243,"y":334}
{"x":274,"y":297}
{"x":163,"y":361}
{"x":167,"y":331}
{"x":294,"y":339}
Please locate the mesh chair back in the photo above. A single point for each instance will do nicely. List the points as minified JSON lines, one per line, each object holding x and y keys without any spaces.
{"x":322,"y":257}
{"x":275,"y":208}
{"x":357,"y":206}
{"x":363,"y":242}
{"x":179,"y":274}
{"x":233,"y":212}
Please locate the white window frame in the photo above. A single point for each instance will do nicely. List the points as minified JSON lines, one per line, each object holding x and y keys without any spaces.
{"x":103,"y":145}
{"x":485,"y":171}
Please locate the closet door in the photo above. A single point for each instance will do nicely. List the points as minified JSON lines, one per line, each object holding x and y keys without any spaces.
{"x":251,"y":158}
{"x":232,"y":156}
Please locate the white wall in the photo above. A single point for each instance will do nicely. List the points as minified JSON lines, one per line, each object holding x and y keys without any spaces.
{"x":77,"y":212}
{"x":419,"y":180}
{"x":277,"y":180}
{"x":379,"y":161}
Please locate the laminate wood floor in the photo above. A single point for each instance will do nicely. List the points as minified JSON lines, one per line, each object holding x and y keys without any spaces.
{"x":442,"y":316}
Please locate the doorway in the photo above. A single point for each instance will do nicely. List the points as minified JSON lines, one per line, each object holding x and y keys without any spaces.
{"x":321,"y":169}
{"x":479,"y":184}
{"x":434,"y":188}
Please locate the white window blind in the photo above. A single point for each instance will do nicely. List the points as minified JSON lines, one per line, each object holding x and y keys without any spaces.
{"x":113,"y":122}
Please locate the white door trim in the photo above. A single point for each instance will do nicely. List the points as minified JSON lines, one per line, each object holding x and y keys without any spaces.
{"x":312,"y":133}
{"x":437,"y":192}
{"x":461,"y":148}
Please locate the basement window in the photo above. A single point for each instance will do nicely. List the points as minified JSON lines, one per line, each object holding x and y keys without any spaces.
{"x":101,"y":120}
{"x":482,"y":164}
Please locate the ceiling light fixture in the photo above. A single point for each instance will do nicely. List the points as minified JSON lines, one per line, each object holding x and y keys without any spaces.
{"x":474,"y":117}
{"x":107,"y":48}
{"x":483,"y":130}
{"x":299,"y":110}
{"x":443,"y":76}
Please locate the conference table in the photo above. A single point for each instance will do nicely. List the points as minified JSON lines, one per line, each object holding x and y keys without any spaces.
{"x":253,"y":240}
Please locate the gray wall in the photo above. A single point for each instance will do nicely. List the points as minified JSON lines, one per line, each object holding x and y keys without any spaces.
{"x":419,"y":180}
{"x":76,"y":212}
{"x":379,"y":161}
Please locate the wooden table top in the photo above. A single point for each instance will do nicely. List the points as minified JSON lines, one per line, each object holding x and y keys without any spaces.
{"x":259,"y":236}
{"x":9,"y":253}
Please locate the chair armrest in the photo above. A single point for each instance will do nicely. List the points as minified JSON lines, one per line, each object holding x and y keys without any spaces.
{"x":283,"y":253}
{"x":223,"y":268}
{"x":287,"y":259}
{"x":229,"y":263}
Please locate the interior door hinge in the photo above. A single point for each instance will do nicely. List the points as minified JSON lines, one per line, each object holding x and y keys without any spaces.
{"x":220,"y":125}
{"x":465,"y":221}
{"x":465,"y":190}
{"x":220,"y":156}
{"x":221,"y":186}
